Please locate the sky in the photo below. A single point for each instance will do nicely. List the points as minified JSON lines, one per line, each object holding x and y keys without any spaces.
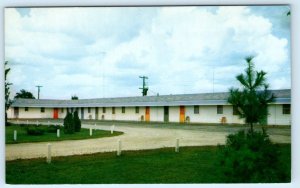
{"x":96,"y":52}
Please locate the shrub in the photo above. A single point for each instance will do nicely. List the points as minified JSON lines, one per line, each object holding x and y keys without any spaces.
{"x":35,"y":130}
{"x":52,"y":129}
{"x":250,"y":157}
{"x":76,"y":121}
{"x":69,"y":127}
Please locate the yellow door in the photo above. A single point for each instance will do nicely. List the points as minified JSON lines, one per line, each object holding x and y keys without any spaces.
{"x":147,"y":113}
{"x":182,"y":114}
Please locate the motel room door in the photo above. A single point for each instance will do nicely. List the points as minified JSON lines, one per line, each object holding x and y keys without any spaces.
{"x":166,"y":114}
{"x":55,"y":113}
{"x":147,"y":114}
{"x":82,"y":112}
{"x":182,"y":114}
{"x":16,"y":112}
{"x":96,"y":113}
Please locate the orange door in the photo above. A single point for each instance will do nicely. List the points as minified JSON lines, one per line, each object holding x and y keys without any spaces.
{"x":55,"y":113}
{"x":182,"y":114}
{"x":147,"y":113}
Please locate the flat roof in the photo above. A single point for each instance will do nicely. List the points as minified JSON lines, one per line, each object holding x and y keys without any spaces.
{"x":282,"y":97}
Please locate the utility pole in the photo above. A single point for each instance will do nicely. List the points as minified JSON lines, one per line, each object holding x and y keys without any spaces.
{"x":144,"y":88}
{"x":38,"y":91}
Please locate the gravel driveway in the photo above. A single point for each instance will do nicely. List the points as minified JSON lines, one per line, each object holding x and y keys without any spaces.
{"x":136,"y":137}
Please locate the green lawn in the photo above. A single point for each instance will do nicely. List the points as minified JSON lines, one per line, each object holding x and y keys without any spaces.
{"x":190,"y":165}
{"x":23,"y":137}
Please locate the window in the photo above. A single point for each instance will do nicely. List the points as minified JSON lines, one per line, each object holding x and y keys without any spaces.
{"x":137,"y":110}
{"x":89,"y":109}
{"x":104,"y":110}
{"x":113,"y":110}
{"x":42,"y":109}
{"x":286,"y":109}
{"x":196,"y":109}
{"x":219,"y":109}
{"x":26,"y":109}
{"x":62,"y":110}
{"x":235,"y":110}
{"x":123,"y":110}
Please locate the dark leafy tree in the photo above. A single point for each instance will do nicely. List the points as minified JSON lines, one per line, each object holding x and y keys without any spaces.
{"x":7,"y":92}
{"x":69,"y":127}
{"x":253,"y":97}
{"x":74,"y":97}
{"x":24,"y":95}
{"x":76,"y":121}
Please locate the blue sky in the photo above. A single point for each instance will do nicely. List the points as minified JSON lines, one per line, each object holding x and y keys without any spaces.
{"x":101,"y":52}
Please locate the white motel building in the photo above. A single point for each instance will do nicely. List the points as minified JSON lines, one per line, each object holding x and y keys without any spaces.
{"x":184,"y":108}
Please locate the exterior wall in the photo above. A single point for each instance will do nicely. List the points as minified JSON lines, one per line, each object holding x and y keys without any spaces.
{"x":276,"y":117}
{"x":207,"y":114}
{"x":34,"y":113}
{"x":129,"y":114}
{"x":156,"y":113}
{"x":174,"y":114}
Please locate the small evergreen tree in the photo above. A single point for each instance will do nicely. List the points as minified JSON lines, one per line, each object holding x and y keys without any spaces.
{"x":76,"y":121}
{"x":250,"y":157}
{"x":252,"y":100}
{"x":69,"y":127}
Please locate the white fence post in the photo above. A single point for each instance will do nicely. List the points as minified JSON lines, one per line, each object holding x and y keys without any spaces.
{"x":27,"y":122}
{"x":37,"y":122}
{"x":177,"y":145}
{"x":58,"y":133}
{"x":18,"y":122}
{"x":91,"y":131}
{"x":49,"y":153}
{"x":119,"y":148}
{"x":48,"y":123}
{"x":112,"y":129}
{"x":15,"y":135}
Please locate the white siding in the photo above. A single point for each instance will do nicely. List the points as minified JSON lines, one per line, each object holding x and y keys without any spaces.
{"x":276,"y":117}
{"x":129,"y":114}
{"x":174,"y":114}
{"x":208,"y":114}
{"x":156,"y":113}
{"x":35,"y":113}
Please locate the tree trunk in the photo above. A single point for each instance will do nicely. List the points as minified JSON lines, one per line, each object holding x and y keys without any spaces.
{"x":251,"y":128}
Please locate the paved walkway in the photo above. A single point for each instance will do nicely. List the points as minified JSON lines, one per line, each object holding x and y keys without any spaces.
{"x":135,"y":138}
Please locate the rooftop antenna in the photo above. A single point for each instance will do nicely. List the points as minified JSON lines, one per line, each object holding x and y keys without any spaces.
{"x":213,"y":79}
{"x":144,"y":88}
{"x":38,"y":91}
{"x":103,"y":73}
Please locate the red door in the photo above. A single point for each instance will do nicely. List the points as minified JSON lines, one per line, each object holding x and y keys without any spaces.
{"x":55,"y":113}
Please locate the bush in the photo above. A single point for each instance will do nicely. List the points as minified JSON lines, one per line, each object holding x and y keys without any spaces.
{"x":69,"y":127}
{"x":250,"y":157}
{"x":35,"y":130}
{"x":52,"y":128}
{"x":76,"y":121}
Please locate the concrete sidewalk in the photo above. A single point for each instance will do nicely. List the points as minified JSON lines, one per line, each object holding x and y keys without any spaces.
{"x":134,"y":138}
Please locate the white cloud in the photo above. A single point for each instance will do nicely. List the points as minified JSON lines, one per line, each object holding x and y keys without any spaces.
{"x":86,"y":51}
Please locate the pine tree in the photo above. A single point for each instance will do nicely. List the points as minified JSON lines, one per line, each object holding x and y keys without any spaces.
{"x":69,"y":127}
{"x":76,"y":121}
{"x":252,"y":100}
